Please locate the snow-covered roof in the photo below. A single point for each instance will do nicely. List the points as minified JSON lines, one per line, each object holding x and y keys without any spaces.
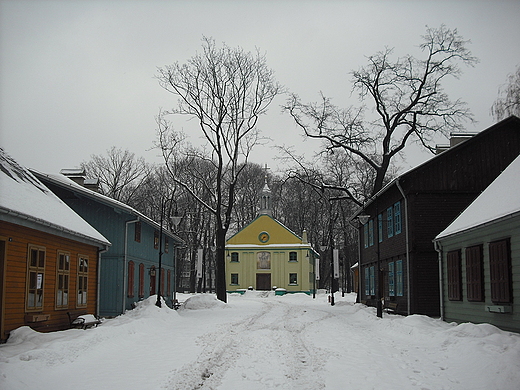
{"x":65,"y":182}
{"x":500,"y":199}
{"x":24,"y":198}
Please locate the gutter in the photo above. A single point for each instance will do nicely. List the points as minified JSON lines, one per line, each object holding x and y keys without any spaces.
{"x":125,"y":265}
{"x":357,"y":227}
{"x":479,"y":226}
{"x":100,"y":251}
{"x":408,"y":294}
{"x":438,"y":248}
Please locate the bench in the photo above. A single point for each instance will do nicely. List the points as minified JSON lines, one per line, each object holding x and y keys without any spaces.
{"x":82,"y":320}
{"x":177,"y":304}
{"x":391,"y":306}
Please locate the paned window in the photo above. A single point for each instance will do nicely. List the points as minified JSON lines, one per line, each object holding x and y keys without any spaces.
{"x":367,"y":281}
{"x":391,"y":280}
{"x":62,"y":280}
{"x":82,"y":281}
{"x":390,"y":222}
{"x":156,"y":239}
{"x":454,"y":276}
{"x":141,"y":280}
{"x":371,"y":232}
{"x":35,"y":277}
{"x":474,"y":274}
{"x":399,"y":282}
{"x":500,"y":271}
{"x":293,"y":256}
{"x":380,"y":228}
{"x":137,"y":235}
{"x":234,"y":279}
{"x":365,"y":234}
{"x":397,"y":218}
{"x":372,"y":281}
{"x":131,"y":278}
{"x":234,"y":257}
{"x":263,"y":260}
{"x":293,"y":278}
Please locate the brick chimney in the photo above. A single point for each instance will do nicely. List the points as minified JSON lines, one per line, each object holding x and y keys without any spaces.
{"x":455,"y":139}
{"x":79,"y":176}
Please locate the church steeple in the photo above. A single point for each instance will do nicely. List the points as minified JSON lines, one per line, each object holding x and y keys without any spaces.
{"x":265,"y":197}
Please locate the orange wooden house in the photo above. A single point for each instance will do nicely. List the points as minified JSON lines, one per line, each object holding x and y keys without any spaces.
{"x":48,"y":255}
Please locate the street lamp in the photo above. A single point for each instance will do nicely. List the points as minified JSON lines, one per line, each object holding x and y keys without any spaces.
{"x":323,"y":249}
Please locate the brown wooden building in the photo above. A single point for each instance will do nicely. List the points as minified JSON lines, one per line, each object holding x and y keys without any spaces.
{"x":398,"y":261}
{"x":48,"y":255}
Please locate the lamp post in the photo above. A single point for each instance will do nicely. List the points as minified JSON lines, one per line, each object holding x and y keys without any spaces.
{"x":323,"y":249}
{"x":158,"y":302}
{"x":176,"y":220}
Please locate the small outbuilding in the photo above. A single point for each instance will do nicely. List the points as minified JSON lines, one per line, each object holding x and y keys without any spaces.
{"x":479,"y":255}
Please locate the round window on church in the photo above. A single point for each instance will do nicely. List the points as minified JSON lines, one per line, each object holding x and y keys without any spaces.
{"x":263,"y":237}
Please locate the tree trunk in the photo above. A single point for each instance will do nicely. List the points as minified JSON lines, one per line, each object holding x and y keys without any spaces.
{"x":220,"y":265}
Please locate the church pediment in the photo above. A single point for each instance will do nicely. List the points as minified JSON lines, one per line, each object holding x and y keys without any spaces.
{"x":264,"y":230}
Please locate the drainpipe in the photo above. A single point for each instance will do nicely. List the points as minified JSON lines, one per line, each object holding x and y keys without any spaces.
{"x":358,"y":295}
{"x":100,"y":251}
{"x":408,"y":295}
{"x":438,"y":248}
{"x":125,"y":263}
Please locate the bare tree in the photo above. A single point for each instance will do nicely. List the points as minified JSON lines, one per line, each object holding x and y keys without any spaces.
{"x":508,"y":101}
{"x":408,"y":104}
{"x":120,"y":173}
{"x":226,"y":90}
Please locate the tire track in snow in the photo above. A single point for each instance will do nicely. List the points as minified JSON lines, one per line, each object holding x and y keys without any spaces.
{"x":265,"y":351}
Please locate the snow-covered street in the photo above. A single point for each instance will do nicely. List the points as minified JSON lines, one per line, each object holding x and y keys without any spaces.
{"x":263,"y":341}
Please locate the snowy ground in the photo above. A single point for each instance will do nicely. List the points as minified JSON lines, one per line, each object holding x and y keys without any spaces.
{"x":262,"y":341}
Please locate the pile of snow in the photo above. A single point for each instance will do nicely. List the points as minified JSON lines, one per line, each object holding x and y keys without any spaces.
{"x":201,"y":302}
{"x":263,"y":341}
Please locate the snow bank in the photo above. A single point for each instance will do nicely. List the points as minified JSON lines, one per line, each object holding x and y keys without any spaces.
{"x":201,"y":302}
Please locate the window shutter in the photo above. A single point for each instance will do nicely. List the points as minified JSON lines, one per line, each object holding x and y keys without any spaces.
{"x":454,"y":276}
{"x":500,"y":271}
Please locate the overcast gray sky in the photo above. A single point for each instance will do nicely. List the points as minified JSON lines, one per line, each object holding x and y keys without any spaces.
{"x":77,"y":76}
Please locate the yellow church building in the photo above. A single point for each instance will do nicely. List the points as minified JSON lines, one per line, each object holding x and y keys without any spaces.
{"x":266,"y":255}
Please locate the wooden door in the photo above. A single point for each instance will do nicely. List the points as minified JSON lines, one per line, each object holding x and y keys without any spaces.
{"x":2,"y":288}
{"x":263,"y":281}
{"x":152,"y":280}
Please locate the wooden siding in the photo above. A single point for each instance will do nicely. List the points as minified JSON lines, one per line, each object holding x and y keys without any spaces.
{"x":464,"y":310}
{"x":436,"y":193}
{"x":14,"y":310}
{"x":112,"y":223}
{"x":471,"y":165}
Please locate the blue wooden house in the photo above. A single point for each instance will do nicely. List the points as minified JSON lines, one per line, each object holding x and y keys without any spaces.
{"x":129,"y":269}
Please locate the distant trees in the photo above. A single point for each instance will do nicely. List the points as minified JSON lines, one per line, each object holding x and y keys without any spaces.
{"x":508,"y":101}
{"x":120,"y":173}
{"x":408,"y":104}
{"x":225,"y":90}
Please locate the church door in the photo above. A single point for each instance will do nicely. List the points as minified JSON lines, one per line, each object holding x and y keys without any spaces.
{"x":263,"y":281}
